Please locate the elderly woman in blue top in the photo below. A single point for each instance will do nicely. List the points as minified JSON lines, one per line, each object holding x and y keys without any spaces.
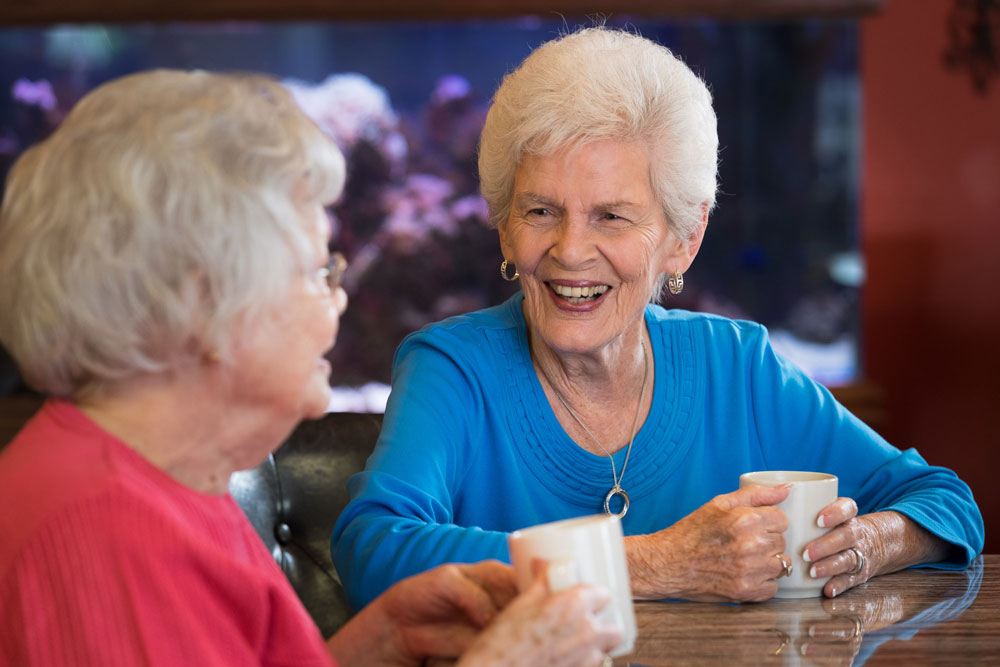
{"x":576,"y":396}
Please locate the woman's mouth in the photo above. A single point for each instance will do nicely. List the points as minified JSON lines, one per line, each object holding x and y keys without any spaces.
{"x":578,"y":295}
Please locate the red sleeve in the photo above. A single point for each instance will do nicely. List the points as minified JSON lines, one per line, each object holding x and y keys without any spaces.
{"x":107,"y":585}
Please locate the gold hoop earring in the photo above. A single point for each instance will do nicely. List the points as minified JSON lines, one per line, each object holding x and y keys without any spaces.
{"x":675,"y":283}
{"x":503,"y":272}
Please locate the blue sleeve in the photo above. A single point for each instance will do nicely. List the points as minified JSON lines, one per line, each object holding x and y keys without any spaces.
{"x":400,"y":518}
{"x":800,"y":426}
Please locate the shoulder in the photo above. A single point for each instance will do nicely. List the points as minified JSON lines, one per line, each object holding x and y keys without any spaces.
{"x":474,"y":334}
{"x":75,"y":483}
{"x":712,"y":329}
{"x":132,"y":514}
{"x":54,"y":461}
{"x":504,"y":316}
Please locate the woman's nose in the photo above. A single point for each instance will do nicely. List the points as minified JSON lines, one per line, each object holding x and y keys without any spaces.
{"x":574,"y":244}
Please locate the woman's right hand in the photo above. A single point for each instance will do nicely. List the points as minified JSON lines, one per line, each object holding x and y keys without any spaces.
{"x":723,"y":551}
{"x":540,"y":627}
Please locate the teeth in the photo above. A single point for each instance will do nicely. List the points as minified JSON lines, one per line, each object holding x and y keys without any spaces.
{"x":579,"y":292}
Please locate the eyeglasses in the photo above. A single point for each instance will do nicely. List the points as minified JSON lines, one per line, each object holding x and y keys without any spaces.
{"x":333,"y":272}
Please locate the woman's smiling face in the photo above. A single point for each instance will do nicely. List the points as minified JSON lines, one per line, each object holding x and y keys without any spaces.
{"x":589,"y":240}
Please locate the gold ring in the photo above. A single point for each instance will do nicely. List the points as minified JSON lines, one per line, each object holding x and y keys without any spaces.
{"x":785,"y":641}
{"x":786,"y":566}
{"x":859,"y":628}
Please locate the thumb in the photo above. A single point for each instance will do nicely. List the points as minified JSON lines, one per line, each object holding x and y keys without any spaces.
{"x":756,"y":496}
{"x":539,"y":588}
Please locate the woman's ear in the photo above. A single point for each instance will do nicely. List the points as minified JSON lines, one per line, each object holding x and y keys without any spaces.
{"x":682,"y":253}
{"x":694,"y":243}
{"x":505,"y":246}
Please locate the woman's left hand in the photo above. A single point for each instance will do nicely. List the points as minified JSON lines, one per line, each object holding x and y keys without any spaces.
{"x":845,"y":553}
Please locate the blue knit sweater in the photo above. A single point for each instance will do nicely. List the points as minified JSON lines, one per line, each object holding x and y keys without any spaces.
{"x":470,"y":448}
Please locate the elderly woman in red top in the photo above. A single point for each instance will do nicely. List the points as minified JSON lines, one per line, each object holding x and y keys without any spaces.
{"x":164,"y":276}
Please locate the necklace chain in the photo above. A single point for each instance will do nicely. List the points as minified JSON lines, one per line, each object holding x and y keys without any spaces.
{"x":617,"y":488}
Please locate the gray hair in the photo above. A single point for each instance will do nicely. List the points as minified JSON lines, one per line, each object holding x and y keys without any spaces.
{"x":600,"y":83}
{"x":165,"y":209}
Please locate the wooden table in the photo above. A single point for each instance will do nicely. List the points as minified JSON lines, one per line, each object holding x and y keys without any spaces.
{"x":914,"y":617}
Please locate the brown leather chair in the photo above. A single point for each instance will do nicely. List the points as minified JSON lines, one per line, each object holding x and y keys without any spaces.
{"x":294,"y":498}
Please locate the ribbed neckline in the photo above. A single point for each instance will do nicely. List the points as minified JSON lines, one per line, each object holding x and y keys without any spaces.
{"x":576,"y":475}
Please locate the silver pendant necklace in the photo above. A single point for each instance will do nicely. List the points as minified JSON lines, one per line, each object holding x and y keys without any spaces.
{"x":617,"y":489}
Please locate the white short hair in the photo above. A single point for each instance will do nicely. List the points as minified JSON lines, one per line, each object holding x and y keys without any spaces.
{"x":601,"y":83}
{"x":166,"y":208}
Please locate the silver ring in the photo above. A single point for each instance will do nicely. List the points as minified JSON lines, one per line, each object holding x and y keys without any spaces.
{"x":862,"y":561}
{"x":786,"y":566}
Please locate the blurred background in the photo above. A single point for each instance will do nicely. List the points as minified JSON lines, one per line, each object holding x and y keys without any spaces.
{"x":406,"y":101}
{"x":859,"y":207}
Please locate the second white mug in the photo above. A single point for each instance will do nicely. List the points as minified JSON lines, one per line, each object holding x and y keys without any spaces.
{"x":589,"y":549}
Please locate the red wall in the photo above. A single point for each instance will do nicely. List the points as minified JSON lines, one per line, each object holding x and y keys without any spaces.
{"x":931,"y":230}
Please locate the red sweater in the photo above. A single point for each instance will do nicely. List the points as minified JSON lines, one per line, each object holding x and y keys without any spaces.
{"x":107,"y":560}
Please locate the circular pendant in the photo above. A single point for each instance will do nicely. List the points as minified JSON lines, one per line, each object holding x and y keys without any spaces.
{"x":616,"y":491}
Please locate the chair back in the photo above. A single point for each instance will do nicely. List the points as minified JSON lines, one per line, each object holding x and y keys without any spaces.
{"x":295,"y":496}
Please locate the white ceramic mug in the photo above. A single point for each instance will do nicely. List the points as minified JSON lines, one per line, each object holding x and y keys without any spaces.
{"x":589,"y":549}
{"x":810,"y":493}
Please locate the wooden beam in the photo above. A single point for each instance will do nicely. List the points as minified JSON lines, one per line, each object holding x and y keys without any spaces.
{"x":26,"y":12}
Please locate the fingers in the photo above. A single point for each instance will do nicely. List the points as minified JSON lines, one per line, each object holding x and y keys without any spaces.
{"x":585,"y":637}
{"x":446,"y":640}
{"x":839,"y":539}
{"x":560,"y":629}
{"x":729,"y":546}
{"x":769,"y":522}
{"x":751,"y":519}
{"x":852,"y":566}
{"x":784,"y":565}
{"x":448,"y":589}
{"x":841,"y":555}
{"x":492,"y":588}
{"x":496,"y":578}
{"x":837,"y":512}
{"x":754,"y":496}
{"x":539,"y":567}
{"x":847,"y":563}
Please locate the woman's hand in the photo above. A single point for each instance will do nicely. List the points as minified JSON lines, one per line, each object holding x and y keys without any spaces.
{"x":728,"y":549}
{"x":454,"y":610}
{"x":861,"y":547}
{"x":544,"y":628}
{"x":436,"y":613}
{"x":843,"y":553}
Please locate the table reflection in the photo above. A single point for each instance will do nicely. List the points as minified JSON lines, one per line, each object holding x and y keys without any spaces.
{"x":847,"y":630}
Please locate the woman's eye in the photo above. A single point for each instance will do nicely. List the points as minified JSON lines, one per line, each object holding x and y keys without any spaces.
{"x":541,"y":212}
{"x":612,"y":216}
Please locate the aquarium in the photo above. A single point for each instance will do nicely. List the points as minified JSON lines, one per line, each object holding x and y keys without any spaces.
{"x":406,"y":100}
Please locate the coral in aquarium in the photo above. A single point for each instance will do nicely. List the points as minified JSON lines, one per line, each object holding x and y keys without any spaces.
{"x":411,"y":220}
{"x":781,"y":246}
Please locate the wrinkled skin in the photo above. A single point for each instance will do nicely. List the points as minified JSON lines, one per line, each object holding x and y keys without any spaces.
{"x":725,"y":550}
{"x":472,"y":612}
